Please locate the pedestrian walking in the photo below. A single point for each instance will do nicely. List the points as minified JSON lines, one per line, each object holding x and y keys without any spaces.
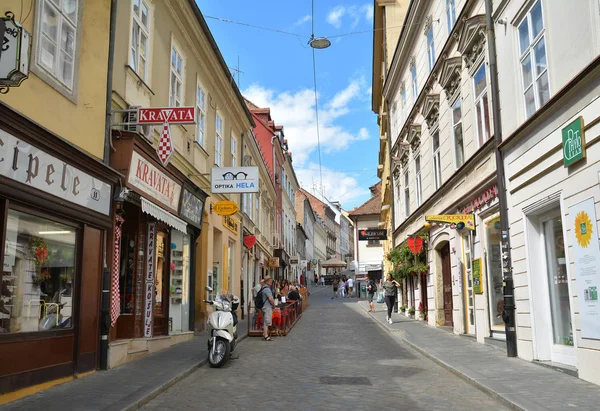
{"x":371,"y":290}
{"x":389,"y":293}
{"x":323,"y":280}
{"x":335,"y":284}
{"x":267,"y":309}
{"x":341,"y":289}
{"x":350,"y":287}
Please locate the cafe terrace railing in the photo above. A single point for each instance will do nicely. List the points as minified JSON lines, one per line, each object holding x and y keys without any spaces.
{"x":285,"y":316}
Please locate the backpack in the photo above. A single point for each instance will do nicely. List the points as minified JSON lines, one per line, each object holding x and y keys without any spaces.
{"x":259,"y":302}
{"x":373,"y":287}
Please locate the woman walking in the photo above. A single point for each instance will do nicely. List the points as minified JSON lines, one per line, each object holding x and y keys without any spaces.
{"x":389,"y":293}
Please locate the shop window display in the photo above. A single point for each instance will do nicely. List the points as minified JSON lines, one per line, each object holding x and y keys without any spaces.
{"x":494,"y":258}
{"x":36,"y":291}
{"x":179,"y":309}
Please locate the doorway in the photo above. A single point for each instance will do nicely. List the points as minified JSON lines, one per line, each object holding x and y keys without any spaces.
{"x":469,"y":297}
{"x":447,"y":285}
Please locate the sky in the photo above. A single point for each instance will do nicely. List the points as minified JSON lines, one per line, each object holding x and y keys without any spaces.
{"x":277,"y":72}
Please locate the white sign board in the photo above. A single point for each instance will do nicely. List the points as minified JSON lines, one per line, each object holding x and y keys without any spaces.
{"x":150,"y":262}
{"x":151,"y":181}
{"x":586,"y":255}
{"x":29,"y":165}
{"x":234,"y":180}
{"x":14,"y":59}
{"x":294,"y":260}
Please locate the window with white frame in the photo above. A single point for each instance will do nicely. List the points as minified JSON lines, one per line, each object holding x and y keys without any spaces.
{"x":395,"y":116}
{"x":233,"y":151}
{"x":201,"y":117}
{"x":219,"y":140}
{"x":406,"y":194}
{"x":57,"y":39}
{"x":418,"y":181}
{"x":534,"y":63}
{"x":415,"y":89}
{"x":450,"y":14}
{"x":140,"y":38}
{"x":257,"y":204}
{"x":397,"y":193}
{"x":176,"y":87}
{"x":437,"y":161}
{"x":403,"y":102}
{"x":482,"y":116}
{"x":457,"y":134}
{"x":430,"y":48}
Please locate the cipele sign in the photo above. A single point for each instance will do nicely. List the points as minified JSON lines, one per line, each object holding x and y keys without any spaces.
{"x":29,"y":165}
{"x":149,"y":179}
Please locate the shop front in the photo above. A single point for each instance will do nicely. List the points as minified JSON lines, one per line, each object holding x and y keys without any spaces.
{"x":55,"y":203}
{"x":155,"y":277}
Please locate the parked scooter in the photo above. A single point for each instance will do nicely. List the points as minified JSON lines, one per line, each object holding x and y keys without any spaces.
{"x":222,"y":328}
{"x":53,"y":317}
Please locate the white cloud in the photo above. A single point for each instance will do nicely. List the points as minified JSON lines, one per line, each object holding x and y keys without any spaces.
{"x":354,"y":12}
{"x":335,"y":16}
{"x":367,"y":10}
{"x":302,"y":21}
{"x":296,"y":112}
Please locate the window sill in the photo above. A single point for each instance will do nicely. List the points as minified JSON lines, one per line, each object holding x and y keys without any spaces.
{"x":201,"y":148}
{"x":53,"y":82}
{"x":141,"y":82}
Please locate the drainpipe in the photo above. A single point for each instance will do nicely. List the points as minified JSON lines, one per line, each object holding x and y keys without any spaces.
{"x":105,"y":302}
{"x":244,"y":294}
{"x":508,"y":315}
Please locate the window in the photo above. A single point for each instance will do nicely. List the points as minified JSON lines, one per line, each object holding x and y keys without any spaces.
{"x":418,"y":180}
{"x":201,"y":108}
{"x":450,"y":14}
{"x":403,"y":97}
{"x":257,"y":209}
{"x":414,"y":82}
{"x":481,"y":105}
{"x":534,"y":64}
{"x":406,"y":195}
{"x":395,"y":115}
{"x":219,"y":141}
{"x":57,"y":39}
{"x":430,"y":49}
{"x":437,"y":161}
{"x":459,"y":149}
{"x":38,"y":276}
{"x":397,"y":193}
{"x":176,"y":78}
{"x":140,"y":34}
{"x":233,"y":151}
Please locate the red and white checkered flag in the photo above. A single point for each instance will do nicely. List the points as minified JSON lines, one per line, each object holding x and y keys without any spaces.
{"x":165,"y":146}
{"x":115,"y":298}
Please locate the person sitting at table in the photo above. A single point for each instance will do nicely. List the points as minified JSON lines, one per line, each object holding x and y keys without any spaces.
{"x":293,"y":295}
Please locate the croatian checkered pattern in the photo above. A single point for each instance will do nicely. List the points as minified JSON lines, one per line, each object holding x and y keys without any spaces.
{"x":115,"y":299}
{"x":165,"y":146}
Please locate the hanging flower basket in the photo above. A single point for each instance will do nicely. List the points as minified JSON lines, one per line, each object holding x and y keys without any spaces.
{"x":40,"y":250}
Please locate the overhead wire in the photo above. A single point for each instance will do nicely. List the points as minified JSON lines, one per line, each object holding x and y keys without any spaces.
{"x":255,"y":26}
{"x":316,"y":99}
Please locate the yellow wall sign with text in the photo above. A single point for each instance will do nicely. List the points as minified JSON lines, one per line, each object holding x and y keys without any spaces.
{"x":225,"y":207}
{"x":459,"y":220}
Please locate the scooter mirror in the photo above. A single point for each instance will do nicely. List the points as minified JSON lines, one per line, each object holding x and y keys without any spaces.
{"x":208,"y":288}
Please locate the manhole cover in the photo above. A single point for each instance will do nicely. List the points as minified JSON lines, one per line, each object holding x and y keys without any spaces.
{"x":345,"y":380}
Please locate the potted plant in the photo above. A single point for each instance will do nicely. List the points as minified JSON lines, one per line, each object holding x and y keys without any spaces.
{"x":411,"y":312}
{"x":402,"y":309}
{"x":421,"y":311}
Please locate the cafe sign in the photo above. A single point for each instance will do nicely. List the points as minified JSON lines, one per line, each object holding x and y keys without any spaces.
{"x":573,"y":142}
{"x":225,"y":207}
{"x":372,"y":234}
{"x":148,"y":179}
{"x":14,"y":53}
{"x":27,"y":164}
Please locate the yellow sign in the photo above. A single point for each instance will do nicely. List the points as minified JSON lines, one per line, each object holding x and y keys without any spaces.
{"x":459,"y":220}
{"x":225,"y":207}
{"x":274,"y":262}
{"x":230,"y":223}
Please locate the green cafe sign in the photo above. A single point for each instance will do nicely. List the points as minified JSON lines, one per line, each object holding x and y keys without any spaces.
{"x":573,"y":142}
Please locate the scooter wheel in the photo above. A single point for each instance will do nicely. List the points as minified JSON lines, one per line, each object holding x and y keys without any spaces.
{"x":221,"y":353}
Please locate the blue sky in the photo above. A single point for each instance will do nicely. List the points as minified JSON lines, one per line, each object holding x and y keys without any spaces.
{"x":278,"y":73}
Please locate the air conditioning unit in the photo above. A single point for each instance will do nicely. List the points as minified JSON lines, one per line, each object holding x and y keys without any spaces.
{"x":143,"y":130}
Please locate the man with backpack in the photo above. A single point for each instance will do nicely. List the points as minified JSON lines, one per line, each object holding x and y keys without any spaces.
{"x":371,"y":290}
{"x":264,"y":301}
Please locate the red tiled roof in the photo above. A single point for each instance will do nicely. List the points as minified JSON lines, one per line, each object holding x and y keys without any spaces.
{"x":317,"y":205}
{"x":372,"y":206}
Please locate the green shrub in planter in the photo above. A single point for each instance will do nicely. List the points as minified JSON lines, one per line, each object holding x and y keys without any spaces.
{"x":402,"y":308}
{"x":411,"y":310}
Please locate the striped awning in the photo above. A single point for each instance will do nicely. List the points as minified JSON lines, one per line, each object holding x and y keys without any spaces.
{"x":162,"y":215}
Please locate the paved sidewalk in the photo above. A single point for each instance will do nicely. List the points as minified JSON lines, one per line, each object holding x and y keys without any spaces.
{"x":129,"y":386}
{"x":519,"y":384}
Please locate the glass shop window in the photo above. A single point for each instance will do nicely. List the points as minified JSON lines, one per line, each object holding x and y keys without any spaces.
{"x":38,"y":276}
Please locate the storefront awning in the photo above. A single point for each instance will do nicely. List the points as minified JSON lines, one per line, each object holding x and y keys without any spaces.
{"x":162,"y":215}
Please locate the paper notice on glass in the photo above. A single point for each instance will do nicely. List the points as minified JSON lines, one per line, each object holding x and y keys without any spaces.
{"x":586,"y":256}
{"x":10,"y":246}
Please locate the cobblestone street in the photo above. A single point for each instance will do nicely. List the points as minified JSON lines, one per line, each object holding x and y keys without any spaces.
{"x":332,"y":339}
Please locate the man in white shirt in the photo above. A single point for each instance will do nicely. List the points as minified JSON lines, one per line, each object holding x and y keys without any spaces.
{"x":350,"y":286}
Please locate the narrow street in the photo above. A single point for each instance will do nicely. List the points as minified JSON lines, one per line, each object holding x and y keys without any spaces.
{"x":334,"y":340}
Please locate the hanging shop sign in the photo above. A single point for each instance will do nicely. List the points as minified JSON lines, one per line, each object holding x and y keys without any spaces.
{"x":149,"y":289}
{"x":458,"y":221}
{"x":225,"y":207}
{"x":303,"y":264}
{"x":166,"y":116}
{"x":372,"y":234}
{"x":274,"y":262}
{"x":192,"y":208}
{"x":14,"y":53}
{"x":481,"y":200}
{"x":415,"y":244}
{"x":31,"y":166}
{"x":573,"y":142}
{"x":249,"y":240}
{"x":294,"y":260}
{"x":230,"y":224}
{"x":151,"y":181}
{"x":234,"y":180}
{"x":586,"y":255}
{"x":476,"y":272}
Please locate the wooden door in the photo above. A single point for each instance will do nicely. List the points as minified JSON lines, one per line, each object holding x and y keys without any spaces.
{"x":447,"y":285}
{"x":423,"y":286}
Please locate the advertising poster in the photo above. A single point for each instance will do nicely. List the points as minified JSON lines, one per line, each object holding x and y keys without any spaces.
{"x":476,"y":269}
{"x":586,"y":256}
